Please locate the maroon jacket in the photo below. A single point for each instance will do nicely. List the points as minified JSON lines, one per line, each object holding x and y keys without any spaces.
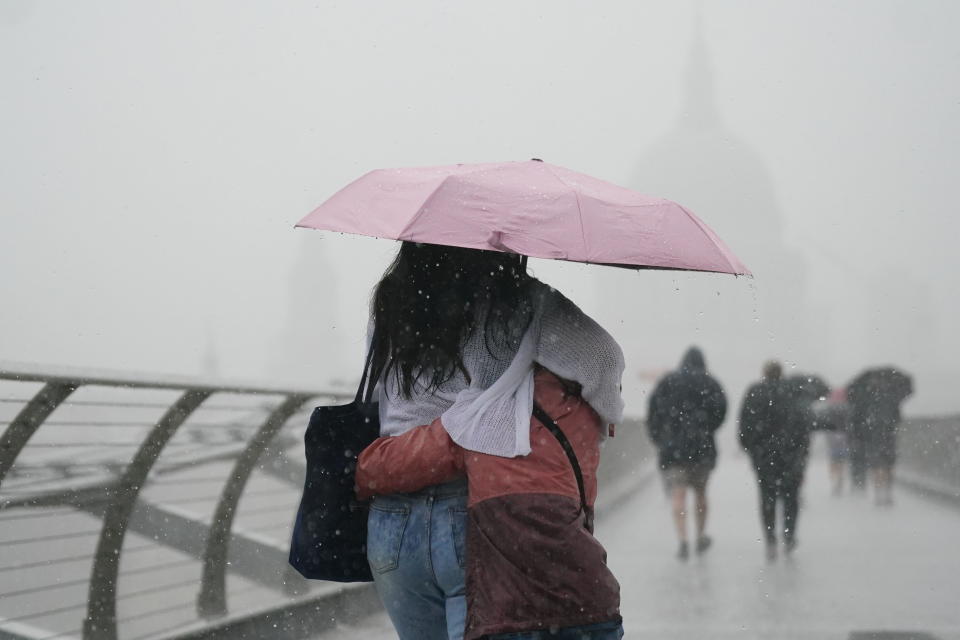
{"x":532,"y":563}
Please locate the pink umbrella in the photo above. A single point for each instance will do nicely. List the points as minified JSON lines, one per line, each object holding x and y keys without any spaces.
{"x":531,"y":208}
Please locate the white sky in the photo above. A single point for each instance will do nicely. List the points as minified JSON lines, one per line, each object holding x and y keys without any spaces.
{"x":154,"y":157}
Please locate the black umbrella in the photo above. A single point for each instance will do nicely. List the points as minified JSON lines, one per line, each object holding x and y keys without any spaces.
{"x":880,"y":384}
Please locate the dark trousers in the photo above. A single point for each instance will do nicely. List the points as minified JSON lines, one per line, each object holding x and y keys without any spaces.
{"x":779,"y":484}
{"x":858,"y":460}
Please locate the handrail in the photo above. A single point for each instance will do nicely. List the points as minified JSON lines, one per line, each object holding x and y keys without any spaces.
{"x":101,"y":620}
{"x":99,"y":485}
{"x":212,"y":600}
{"x":138,"y":495}
{"x":24,"y":372}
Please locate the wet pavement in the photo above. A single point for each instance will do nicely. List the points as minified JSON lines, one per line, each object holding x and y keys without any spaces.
{"x":858,"y":568}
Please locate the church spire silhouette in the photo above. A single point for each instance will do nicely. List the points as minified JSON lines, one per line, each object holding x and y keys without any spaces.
{"x":699,"y":103}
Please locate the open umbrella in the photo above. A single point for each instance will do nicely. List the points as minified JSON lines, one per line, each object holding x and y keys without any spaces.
{"x":880,"y":385}
{"x":532,"y":208}
{"x":808,"y":387}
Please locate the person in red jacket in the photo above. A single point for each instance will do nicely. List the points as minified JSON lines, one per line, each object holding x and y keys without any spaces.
{"x":532,"y":562}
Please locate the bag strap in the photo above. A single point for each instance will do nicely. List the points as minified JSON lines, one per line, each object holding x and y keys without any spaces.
{"x":365,"y":390}
{"x":548,"y":422}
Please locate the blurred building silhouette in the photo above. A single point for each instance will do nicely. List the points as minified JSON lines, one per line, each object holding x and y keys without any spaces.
{"x":705,"y":166}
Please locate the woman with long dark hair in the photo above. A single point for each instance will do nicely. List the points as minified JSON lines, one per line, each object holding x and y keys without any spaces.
{"x":457,"y":335}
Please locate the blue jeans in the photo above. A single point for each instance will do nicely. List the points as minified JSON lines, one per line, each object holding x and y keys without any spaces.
{"x":599,"y":631}
{"x":416,"y":546}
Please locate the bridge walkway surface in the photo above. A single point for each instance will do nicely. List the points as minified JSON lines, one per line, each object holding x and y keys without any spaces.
{"x":860,"y":572}
{"x":134,"y":507}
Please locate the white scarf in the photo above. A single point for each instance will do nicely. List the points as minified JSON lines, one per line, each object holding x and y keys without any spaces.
{"x":496,"y":420}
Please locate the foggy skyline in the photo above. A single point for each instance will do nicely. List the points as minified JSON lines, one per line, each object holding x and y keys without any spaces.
{"x":157,"y":157}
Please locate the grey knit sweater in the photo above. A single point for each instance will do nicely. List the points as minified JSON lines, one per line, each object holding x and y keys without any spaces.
{"x":560,"y":337}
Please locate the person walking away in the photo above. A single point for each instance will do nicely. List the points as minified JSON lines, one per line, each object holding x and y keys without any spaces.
{"x":534,"y":568}
{"x":857,"y":444}
{"x":833,"y":417}
{"x":875,"y":397}
{"x":804,"y":392}
{"x":448,"y":326}
{"x":686,"y":408}
{"x":775,"y":423}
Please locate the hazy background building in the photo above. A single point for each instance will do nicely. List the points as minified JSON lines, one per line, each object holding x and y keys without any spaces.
{"x":156,"y":156}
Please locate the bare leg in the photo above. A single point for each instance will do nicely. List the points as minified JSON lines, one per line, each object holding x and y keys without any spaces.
{"x":679,"y":495}
{"x":882,"y":478}
{"x":703,"y":540}
{"x":837,"y":469}
{"x":701,"y":497}
{"x":679,"y":500}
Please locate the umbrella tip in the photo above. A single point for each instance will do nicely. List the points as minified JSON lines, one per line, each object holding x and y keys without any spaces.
{"x":535,"y":160}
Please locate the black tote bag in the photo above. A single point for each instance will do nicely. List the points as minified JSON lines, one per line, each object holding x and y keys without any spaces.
{"x":329,"y":539}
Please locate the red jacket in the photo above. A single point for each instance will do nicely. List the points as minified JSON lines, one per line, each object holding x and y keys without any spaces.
{"x":531,"y":561}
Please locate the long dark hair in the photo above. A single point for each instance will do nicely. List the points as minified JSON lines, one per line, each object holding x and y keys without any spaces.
{"x":432,"y":298}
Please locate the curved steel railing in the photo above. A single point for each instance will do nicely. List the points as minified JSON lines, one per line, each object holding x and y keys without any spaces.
{"x":161,"y":508}
{"x":110,"y":480}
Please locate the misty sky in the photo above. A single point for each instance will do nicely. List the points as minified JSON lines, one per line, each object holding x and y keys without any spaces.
{"x":155,"y":157}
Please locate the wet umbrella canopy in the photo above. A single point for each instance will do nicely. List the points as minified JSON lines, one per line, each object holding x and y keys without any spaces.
{"x":531,"y":208}
{"x":808,"y":387}
{"x":886,"y":384}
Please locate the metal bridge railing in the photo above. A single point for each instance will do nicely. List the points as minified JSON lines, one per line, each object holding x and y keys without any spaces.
{"x":138,"y":507}
{"x":928,"y":456}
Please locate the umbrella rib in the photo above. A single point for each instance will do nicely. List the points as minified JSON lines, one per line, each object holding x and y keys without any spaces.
{"x":576,"y":196}
{"x":699,"y":225}
{"x":422,"y":208}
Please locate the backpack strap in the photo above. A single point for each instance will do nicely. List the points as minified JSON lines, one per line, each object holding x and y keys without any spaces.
{"x":548,"y":422}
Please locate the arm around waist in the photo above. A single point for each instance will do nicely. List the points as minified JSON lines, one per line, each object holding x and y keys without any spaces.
{"x":419,"y":458}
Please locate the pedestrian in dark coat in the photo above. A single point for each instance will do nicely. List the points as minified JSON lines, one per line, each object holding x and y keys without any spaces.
{"x":775,"y":424}
{"x":875,"y":397}
{"x":686,"y":408}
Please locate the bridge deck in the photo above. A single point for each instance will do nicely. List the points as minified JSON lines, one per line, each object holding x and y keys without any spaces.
{"x":858,"y":568}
